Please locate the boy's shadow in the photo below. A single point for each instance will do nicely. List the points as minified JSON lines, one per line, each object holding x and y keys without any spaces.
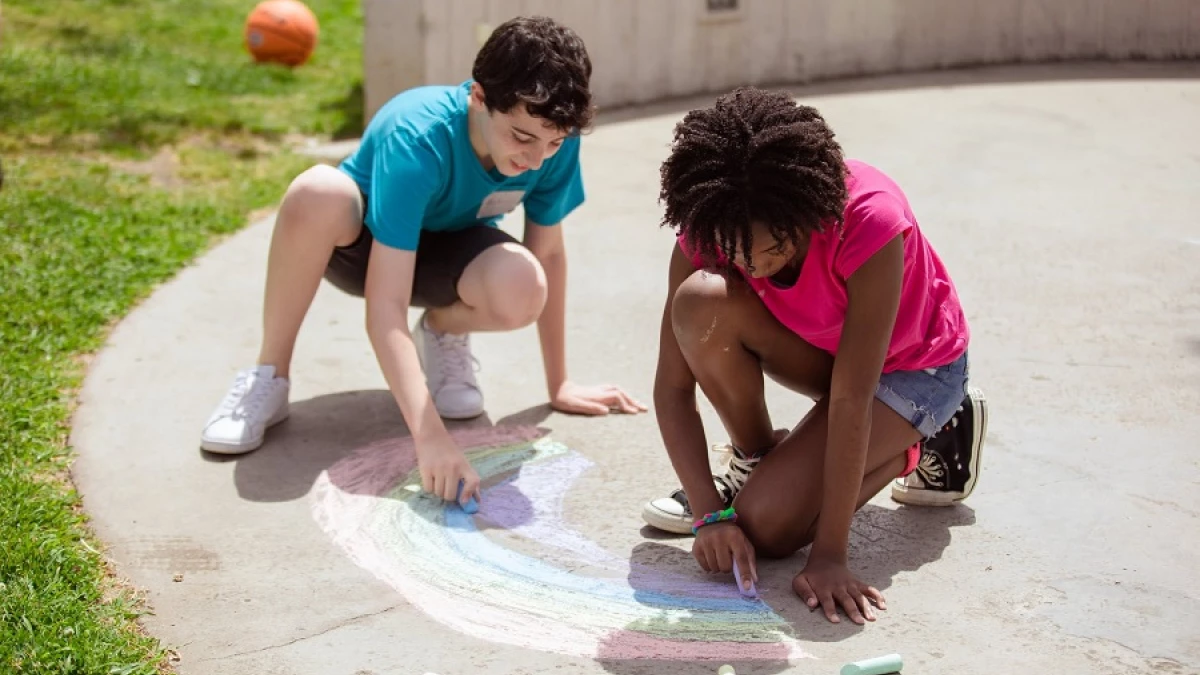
{"x":322,"y":431}
{"x":883,"y":542}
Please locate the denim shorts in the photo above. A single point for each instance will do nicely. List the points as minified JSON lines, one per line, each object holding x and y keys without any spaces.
{"x":926,"y":398}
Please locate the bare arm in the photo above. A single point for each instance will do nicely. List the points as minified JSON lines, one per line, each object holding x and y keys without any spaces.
{"x":679,"y":420}
{"x":388,"y":294}
{"x":546,"y":243}
{"x":874,"y":297}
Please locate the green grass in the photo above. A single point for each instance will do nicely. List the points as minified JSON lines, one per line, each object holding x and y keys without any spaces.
{"x":90,"y":91}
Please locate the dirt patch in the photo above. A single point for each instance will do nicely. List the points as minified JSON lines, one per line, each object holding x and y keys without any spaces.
{"x":242,"y":146}
{"x":162,"y":168}
{"x":165,"y":169}
{"x":259,"y":214}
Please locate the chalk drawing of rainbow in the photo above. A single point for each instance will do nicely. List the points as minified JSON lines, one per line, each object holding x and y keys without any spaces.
{"x":516,"y":573}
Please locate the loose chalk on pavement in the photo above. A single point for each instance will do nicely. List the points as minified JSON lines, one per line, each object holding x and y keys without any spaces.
{"x":726,"y":670}
{"x":876,"y":666}
{"x":471,"y":506}
{"x":737,"y":579}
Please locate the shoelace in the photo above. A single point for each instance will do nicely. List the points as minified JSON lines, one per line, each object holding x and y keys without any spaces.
{"x":930,"y":471}
{"x":738,"y":470}
{"x":455,"y":358}
{"x":245,"y":398}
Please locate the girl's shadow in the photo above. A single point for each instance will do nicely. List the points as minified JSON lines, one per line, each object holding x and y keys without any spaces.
{"x":883,"y":542}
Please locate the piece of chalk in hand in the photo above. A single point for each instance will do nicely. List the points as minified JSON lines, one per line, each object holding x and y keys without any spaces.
{"x":471,"y":506}
{"x":737,"y":579}
{"x":876,"y":666}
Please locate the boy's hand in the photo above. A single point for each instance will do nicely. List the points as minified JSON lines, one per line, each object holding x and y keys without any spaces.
{"x":829,"y":583}
{"x":594,"y":400}
{"x":719,"y":544}
{"x":442,"y":464}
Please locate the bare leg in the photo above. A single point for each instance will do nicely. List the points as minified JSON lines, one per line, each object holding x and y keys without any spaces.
{"x":780,"y":504}
{"x":730,"y":340}
{"x":321,"y":210}
{"x":503,"y":288}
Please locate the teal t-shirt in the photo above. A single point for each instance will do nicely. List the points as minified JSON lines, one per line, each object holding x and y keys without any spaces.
{"x":416,"y":166}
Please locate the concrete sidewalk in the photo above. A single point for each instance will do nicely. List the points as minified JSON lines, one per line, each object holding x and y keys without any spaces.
{"x":1066,"y":212}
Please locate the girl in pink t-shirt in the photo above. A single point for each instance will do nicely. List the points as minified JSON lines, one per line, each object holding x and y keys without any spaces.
{"x":796,"y":263}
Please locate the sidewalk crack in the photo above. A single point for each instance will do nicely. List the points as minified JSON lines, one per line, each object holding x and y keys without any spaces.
{"x":341,"y":624}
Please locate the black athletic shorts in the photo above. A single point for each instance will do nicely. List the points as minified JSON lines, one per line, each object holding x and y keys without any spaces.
{"x":441,"y":259}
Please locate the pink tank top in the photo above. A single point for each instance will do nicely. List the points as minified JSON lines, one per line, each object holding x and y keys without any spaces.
{"x":930,"y":329}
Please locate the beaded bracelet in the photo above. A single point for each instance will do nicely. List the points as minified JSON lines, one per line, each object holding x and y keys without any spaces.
{"x":715,"y":517}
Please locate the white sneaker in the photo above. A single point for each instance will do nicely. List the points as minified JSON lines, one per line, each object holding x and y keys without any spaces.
{"x":449,"y":371}
{"x":256,"y":400}
{"x":674,"y":513}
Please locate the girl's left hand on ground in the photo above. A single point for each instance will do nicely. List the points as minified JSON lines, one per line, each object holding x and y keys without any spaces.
{"x":830,"y":584}
{"x":594,"y":400}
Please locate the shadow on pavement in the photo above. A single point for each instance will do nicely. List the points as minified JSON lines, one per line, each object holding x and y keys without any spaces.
{"x":324,"y":430}
{"x":659,"y":570}
{"x":883,"y":543}
{"x":766,"y":666}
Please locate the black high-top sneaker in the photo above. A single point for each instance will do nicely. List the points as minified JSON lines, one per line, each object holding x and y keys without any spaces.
{"x":949,"y":466}
{"x":674,"y":514}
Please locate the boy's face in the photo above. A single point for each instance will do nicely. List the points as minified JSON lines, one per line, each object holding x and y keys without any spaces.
{"x":516,"y":141}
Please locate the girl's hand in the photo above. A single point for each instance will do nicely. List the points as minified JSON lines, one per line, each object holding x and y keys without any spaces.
{"x":719,"y":544}
{"x":830,"y":583}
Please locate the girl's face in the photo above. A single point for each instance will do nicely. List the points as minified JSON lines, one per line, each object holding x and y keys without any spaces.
{"x":768,"y":256}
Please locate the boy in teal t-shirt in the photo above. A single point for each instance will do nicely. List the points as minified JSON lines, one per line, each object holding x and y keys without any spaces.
{"x":410,"y":220}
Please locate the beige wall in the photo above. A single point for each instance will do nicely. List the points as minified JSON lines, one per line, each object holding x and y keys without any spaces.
{"x":645,"y":50}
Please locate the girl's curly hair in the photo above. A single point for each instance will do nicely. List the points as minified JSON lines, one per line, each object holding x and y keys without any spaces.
{"x":756,"y":156}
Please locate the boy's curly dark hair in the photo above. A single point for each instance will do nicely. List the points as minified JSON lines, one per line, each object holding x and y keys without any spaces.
{"x":754,"y":156}
{"x":541,"y":63}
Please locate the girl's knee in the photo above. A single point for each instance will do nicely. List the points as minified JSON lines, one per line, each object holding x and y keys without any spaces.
{"x":700,"y":305}
{"x":772,"y":535}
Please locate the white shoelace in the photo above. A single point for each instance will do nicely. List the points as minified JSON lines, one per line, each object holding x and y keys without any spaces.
{"x":455,"y":359}
{"x":737,"y":471}
{"x":930,"y":471}
{"x":246,"y":397}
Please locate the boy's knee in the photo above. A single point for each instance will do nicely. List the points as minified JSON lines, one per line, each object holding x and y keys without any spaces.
{"x":321,"y":183}
{"x":322,"y":196}
{"x":516,"y":285}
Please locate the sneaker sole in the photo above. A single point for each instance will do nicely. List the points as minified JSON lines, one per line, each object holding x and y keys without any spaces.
{"x":460,"y":416}
{"x":921,"y":497}
{"x":219,"y":448}
{"x":664,"y":521}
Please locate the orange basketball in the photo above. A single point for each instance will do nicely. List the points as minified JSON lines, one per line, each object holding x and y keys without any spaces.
{"x":281,"y":31}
